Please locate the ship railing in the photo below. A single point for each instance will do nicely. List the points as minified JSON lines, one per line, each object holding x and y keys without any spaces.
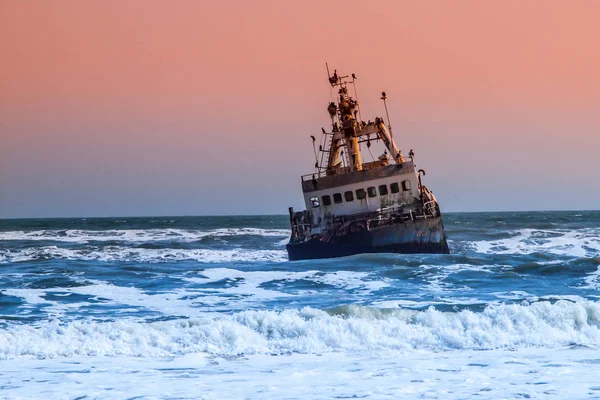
{"x":309,"y":177}
{"x":300,"y":231}
{"x":387,"y":219}
{"x":388,"y":216}
{"x":383,"y":217}
{"x":322,"y":171}
{"x":430,"y":207}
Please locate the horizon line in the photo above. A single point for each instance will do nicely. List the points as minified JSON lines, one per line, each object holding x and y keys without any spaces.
{"x":277,"y":215}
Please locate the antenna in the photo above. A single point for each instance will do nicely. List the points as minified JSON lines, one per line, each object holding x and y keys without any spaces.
{"x":333,"y":80}
{"x":316,"y":158}
{"x":384,"y":97}
{"x":356,"y":94}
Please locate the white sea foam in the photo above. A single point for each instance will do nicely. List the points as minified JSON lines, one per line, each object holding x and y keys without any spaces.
{"x":443,"y":301}
{"x":565,"y":373}
{"x":119,"y":253}
{"x":592,"y":281}
{"x":248,"y":283}
{"x":169,"y":303}
{"x":240,"y":290}
{"x":580,"y":242}
{"x":137,"y":235}
{"x":310,"y":331}
{"x":437,"y":280}
{"x":345,"y":279}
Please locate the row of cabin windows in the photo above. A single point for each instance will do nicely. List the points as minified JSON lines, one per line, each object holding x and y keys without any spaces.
{"x":361,"y":194}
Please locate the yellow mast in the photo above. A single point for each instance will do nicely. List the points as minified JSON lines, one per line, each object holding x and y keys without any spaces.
{"x":350,"y":129}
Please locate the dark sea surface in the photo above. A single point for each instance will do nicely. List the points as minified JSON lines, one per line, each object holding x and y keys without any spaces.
{"x":209,"y":307}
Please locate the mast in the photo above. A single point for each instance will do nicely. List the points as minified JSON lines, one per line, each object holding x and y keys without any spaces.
{"x":350,"y":129}
{"x":384,"y":98}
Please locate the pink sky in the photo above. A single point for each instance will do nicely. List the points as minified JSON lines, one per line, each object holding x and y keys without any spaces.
{"x":156,"y":107}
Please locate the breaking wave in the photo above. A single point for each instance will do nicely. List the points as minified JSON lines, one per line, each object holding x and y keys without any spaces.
{"x":118,"y":253}
{"x":579,"y":243}
{"x":136,"y":235}
{"x":351,"y":329}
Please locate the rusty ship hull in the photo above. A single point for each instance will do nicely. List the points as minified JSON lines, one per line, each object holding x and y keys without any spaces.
{"x":424,"y":236}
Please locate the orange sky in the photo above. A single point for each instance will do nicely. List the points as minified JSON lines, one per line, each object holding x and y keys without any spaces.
{"x":195,"y":107}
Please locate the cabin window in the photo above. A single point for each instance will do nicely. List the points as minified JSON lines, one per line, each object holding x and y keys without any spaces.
{"x":394,"y":187}
{"x":337,"y":198}
{"x":349,"y":195}
{"x":383,"y":190}
{"x":371,"y":191}
{"x":361,"y":194}
{"x":314,"y":201}
{"x":326,"y":200}
{"x":406,"y":186}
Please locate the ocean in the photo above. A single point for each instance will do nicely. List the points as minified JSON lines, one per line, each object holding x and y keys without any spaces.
{"x":210,"y":308}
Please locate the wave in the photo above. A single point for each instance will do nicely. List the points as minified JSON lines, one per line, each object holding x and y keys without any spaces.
{"x":592,"y":281}
{"x":579,"y":243}
{"x":350,"y":329}
{"x":211,"y":289}
{"x":143,"y":255}
{"x":136,"y":235}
